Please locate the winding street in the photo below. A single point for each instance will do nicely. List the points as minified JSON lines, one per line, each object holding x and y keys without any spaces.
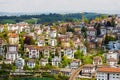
{"x":75,"y":73}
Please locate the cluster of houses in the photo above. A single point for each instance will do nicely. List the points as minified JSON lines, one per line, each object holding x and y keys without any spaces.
{"x":110,"y":69}
{"x":49,"y":40}
{"x":52,"y":42}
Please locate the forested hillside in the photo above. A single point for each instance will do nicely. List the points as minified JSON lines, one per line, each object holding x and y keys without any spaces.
{"x":47,"y":18}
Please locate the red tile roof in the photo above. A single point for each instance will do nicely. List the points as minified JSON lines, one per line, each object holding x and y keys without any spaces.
{"x":13,"y":35}
{"x":114,"y":70}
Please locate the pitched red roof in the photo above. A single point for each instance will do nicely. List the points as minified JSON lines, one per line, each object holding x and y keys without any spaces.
{"x":114,"y":70}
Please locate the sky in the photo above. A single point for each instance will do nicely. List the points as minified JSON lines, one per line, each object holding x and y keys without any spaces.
{"x":60,"y":6}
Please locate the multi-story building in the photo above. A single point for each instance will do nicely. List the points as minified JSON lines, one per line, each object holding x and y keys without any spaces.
{"x":108,"y":74}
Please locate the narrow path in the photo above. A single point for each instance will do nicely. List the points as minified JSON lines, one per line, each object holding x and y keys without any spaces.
{"x":75,"y":73}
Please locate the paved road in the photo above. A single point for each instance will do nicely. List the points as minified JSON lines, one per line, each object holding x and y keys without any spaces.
{"x":75,"y":73}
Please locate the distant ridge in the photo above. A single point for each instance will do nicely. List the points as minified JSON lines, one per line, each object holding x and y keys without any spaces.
{"x":45,"y":18}
{"x":23,"y":13}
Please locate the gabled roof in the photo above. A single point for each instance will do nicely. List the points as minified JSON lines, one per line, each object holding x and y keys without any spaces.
{"x":97,"y":58}
{"x":33,"y":47}
{"x":91,"y":29}
{"x":43,"y":60}
{"x":111,"y":60}
{"x":31,"y":61}
{"x":12,"y":35}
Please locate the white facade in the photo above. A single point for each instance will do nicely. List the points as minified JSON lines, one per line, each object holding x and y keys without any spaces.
{"x":103,"y":31}
{"x":1,"y":28}
{"x":75,"y":64}
{"x":53,"y":33}
{"x":43,"y":62}
{"x":33,"y":53}
{"x":13,"y":40}
{"x":83,"y":49}
{"x":41,"y":43}
{"x":91,"y":33}
{"x":12,"y":27}
{"x":56,"y":61}
{"x":69,"y":53}
{"x":46,"y":53}
{"x":19,"y":27}
{"x":53,"y":42}
{"x":112,"y":62}
{"x":107,"y":76}
{"x":88,"y":70}
{"x":11,"y":56}
{"x":12,"y":53}
{"x":97,"y":60}
{"x":1,"y":49}
{"x":112,"y":55}
{"x":31,"y":64}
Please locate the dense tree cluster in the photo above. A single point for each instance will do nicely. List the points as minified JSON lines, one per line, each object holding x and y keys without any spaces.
{"x":47,"y":18}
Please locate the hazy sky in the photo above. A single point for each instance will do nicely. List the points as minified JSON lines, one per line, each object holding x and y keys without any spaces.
{"x":43,"y":6}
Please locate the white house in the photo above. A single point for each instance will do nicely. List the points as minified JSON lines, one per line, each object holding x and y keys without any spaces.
{"x":46,"y":52}
{"x":1,"y":28}
{"x":12,"y":52}
{"x":12,"y":27}
{"x":75,"y":63}
{"x":56,"y":61}
{"x":91,"y":31}
{"x":112,"y":62}
{"x":43,"y":62}
{"x":22,"y":26}
{"x":97,"y":61}
{"x":31,"y":63}
{"x":1,"y":46}
{"x":13,"y":38}
{"x":19,"y":27}
{"x":77,"y":42}
{"x":112,"y":54}
{"x":41,"y":41}
{"x":33,"y":51}
{"x":20,"y":63}
{"x":103,"y":30}
{"x":53,"y":33}
{"x":69,"y":52}
{"x":83,"y":49}
{"x":88,"y":70}
{"x":52,"y":42}
{"x":26,"y":29}
{"x":38,"y":30}
{"x":108,"y":74}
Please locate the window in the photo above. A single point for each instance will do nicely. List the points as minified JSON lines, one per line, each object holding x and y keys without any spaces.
{"x":12,"y":49}
{"x":33,"y":51}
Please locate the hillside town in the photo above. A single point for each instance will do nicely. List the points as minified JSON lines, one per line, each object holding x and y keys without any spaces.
{"x":90,"y":47}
